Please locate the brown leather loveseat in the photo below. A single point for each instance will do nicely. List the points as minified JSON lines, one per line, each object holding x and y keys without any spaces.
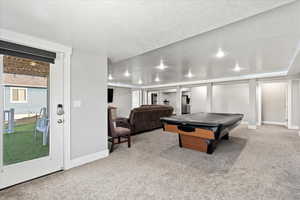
{"x":145,"y":118}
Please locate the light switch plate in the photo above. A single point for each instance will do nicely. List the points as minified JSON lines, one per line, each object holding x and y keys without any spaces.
{"x":77,"y":104}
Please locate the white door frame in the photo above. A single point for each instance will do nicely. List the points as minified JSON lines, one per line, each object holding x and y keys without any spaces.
{"x":66,"y":53}
{"x":149,"y":99}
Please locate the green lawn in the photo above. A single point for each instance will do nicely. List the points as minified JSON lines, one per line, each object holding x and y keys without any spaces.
{"x":22,"y":145}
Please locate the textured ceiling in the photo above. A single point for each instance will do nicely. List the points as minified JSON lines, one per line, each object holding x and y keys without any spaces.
{"x":265,"y":43}
{"x":123,"y":29}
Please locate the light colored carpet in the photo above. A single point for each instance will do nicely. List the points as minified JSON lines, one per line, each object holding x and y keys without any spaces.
{"x":254,"y":164}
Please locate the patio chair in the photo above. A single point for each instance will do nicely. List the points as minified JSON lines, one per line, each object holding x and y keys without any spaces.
{"x":42,"y":125}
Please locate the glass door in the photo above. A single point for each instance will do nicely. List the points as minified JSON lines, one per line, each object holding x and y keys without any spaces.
{"x":31,"y":122}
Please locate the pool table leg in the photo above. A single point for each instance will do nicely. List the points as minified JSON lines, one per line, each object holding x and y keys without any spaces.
{"x":211,"y":147}
{"x":226,"y":137}
{"x":179,"y":139}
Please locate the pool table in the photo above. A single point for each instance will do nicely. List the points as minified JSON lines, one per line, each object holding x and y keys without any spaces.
{"x":201,"y":131}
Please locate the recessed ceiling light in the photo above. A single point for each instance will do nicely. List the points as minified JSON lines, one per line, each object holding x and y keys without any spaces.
{"x":189,"y":74}
{"x":157,"y":79}
{"x":237,"y":67}
{"x":140,"y":82}
{"x":33,"y":63}
{"x":127,"y":73}
{"x":161,"y":65}
{"x":220,"y":53}
{"x":110,"y":77}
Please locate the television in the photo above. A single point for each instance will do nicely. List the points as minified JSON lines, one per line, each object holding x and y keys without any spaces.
{"x":110,"y":95}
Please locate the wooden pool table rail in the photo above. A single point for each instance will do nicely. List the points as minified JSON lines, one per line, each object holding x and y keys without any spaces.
{"x":199,"y":132}
{"x":199,"y":139}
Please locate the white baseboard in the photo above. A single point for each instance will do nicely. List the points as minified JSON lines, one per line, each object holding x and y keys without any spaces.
{"x":274,"y":123}
{"x":87,"y":159}
{"x":294,"y":127}
{"x":251,"y":127}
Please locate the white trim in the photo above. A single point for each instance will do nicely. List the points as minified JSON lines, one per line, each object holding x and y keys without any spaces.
{"x":18,"y":88}
{"x":263,"y":78}
{"x":145,"y":97}
{"x":234,"y":82}
{"x":67,"y":109}
{"x":202,"y":82}
{"x":178,"y":100}
{"x":112,"y":84}
{"x":87,"y":159}
{"x":294,"y":127}
{"x":235,"y":78}
{"x":36,"y":42}
{"x":259,"y":103}
{"x":282,"y":79}
{"x":209,"y":96}
{"x":274,"y":123}
{"x":289,"y":104}
{"x":2,"y":93}
{"x":252,"y":84}
{"x":251,"y":127}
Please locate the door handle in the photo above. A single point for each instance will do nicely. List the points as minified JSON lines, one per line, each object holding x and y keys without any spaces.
{"x":60,"y":121}
{"x":60,"y":109}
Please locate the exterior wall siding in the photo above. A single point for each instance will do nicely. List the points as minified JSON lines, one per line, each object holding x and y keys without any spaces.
{"x":36,"y":99}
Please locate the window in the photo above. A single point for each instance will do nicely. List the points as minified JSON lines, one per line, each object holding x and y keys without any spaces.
{"x":18,"y":95}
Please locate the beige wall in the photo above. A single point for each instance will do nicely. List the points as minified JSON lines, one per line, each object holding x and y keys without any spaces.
{"x":89,"y":121}
{"x":122,"y":100}
{"x":231,"y":98}
{"x":171,"y":96}
{"x":295,"y":103}
{"x":199,"y":99}
{"x":274,"y":102}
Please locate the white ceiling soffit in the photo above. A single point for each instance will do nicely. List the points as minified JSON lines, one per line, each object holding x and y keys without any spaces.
{"x":294,"y":67}
{"x":113,"y":84}
{"x":219,"y":80}
{"x":263,"y":44}
{"x":267,"y":76}
{"x":123,"y":29}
